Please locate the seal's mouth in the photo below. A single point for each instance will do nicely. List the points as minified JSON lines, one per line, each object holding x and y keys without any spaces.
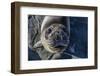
{"x":58,"y":44}
{"x":58,"y":48}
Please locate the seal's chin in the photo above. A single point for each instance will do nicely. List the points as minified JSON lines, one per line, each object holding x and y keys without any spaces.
{"x":57,"y":48}
{"x":58,"y":43}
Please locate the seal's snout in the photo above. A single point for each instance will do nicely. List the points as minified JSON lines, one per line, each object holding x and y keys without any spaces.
{"x":57,"y":37}
{"x":60,"y":35}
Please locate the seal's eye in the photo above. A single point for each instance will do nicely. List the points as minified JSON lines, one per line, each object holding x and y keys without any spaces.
{"x":49,"y":30}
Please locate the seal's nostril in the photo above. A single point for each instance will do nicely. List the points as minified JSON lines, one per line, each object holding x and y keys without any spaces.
{"x":58,"y":37}
{"x":64,"y":38}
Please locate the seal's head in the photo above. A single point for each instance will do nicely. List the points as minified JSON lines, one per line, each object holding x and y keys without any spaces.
{"x":55,"y":38}
{"x":54,"y":34}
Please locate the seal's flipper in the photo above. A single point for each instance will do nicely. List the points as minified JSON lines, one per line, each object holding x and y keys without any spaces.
{"x":38,"y":44}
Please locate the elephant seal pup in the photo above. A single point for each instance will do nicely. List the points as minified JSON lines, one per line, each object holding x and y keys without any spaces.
{"x":55,"y":33}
